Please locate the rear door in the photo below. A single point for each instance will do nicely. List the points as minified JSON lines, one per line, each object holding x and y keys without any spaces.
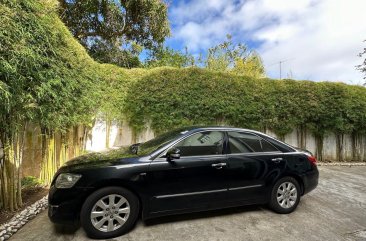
{"x":195,"y":180}
{"x":252,"y":163}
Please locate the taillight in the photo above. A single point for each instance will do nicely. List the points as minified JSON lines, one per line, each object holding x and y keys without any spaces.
{"x":312,"y":160}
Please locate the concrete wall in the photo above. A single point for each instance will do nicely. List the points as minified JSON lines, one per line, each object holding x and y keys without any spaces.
{"x":122,"y":135}
{"x":33,"y":153}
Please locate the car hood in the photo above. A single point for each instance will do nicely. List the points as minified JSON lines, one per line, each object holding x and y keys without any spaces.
{"x":99,"y":159}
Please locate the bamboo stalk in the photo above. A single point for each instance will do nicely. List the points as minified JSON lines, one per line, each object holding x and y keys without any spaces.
{"x":108,"y":133}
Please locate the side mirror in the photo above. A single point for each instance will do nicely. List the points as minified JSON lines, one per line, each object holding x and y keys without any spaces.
{"x":173,"y":153}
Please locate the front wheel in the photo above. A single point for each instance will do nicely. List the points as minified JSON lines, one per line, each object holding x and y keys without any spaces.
{"x":285,"y":195}
{"x":109,"y":212}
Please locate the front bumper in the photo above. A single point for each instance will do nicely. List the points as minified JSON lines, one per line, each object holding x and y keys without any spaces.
{"x":62,"y":215}
{"x":65,"y":204}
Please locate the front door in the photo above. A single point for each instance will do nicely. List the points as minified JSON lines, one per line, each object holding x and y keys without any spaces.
{"x":193,"y":181}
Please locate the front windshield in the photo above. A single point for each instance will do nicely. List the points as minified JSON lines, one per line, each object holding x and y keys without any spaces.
{"x":159,"y":141}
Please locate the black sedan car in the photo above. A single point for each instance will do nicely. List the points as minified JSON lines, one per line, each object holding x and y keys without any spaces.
{"x":185,"y":170}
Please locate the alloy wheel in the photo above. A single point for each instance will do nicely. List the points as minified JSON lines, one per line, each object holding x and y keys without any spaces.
{"x":110,"y":213}
{"x":287,"y":195}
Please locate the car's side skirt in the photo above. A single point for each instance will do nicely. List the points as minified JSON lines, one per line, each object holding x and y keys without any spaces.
{"x":205,"y":208}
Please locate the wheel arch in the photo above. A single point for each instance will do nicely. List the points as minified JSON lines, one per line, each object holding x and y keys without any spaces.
{"x":117,"y":183}
{"x":297,"y":178}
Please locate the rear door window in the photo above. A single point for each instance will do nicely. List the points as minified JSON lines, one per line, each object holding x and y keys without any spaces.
{"x":241,"y":142}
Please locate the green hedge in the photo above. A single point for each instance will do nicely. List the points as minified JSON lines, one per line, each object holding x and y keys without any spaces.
{"x":38,"y":52}
{"x":169,"y":98}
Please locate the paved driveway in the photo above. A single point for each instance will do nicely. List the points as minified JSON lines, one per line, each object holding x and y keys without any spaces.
{"x":336,"y":210}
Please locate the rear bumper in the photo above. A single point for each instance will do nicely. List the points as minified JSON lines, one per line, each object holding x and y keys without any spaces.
{"x":310,"y":180}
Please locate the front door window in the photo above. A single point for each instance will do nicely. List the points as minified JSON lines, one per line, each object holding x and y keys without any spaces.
{"x":202,"y":144}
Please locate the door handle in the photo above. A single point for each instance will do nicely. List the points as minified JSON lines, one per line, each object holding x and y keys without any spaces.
{"x":277,"y":160}
{"x":219,"y":165}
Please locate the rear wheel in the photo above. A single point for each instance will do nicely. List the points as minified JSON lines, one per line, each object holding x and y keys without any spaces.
{"x":285,"y":195}
{"x":109,"y":212}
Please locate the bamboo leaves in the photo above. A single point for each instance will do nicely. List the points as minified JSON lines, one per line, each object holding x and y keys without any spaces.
{"x":40,"y":82}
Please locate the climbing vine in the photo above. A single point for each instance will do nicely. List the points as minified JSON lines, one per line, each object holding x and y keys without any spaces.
{"x":171,"y":98}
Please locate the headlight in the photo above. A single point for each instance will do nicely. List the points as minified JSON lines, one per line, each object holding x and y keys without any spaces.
{"x":67,"y":180}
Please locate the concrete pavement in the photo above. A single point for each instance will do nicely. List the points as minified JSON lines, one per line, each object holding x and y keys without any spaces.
{"x":336,"y":210}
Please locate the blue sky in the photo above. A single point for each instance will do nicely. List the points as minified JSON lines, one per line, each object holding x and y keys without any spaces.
{"x":320,"y":39}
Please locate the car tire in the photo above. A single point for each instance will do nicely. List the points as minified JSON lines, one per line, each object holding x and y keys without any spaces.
{"x":285,"y":195}
{"x":109,"y":212}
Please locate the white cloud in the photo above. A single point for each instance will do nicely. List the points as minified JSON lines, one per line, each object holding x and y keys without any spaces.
{"x":321,"y":38}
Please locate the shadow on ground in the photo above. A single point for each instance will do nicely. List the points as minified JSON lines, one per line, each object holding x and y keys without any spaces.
{"x":201,"y":215}
{"x":66,"y":229}
{"x":72,"y":229}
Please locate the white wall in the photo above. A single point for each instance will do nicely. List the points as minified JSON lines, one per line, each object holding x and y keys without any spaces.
{"x":120,"y":135}
{"x":123,"y":136}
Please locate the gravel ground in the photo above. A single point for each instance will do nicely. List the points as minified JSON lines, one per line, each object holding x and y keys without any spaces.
{"x":30,"y":195}
{"x":19,"y":220}
{"x":336,"y":210}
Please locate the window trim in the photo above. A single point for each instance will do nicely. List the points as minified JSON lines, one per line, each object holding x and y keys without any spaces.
{"x":254,"y":152}
{"x":249,"y":154}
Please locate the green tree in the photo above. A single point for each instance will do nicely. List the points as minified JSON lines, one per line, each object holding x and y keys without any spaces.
{"x":104,"y":22}
{"x":362,"y":67}
{"x":234,"y":58}
{"x":223,"y":56}
{"x":107,"y":52}
{"x":251,"y":65}
{"x":165,"y":56}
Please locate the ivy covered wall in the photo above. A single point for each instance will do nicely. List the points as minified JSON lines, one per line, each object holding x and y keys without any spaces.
{"x":176,"y":97}
{"x":169,"y":98}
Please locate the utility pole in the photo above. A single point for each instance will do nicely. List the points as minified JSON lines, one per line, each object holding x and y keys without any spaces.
{"x":280,"y":64}
{"x":280,"y":70}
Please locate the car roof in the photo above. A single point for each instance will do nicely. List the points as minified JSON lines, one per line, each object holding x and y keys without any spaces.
{"x":222,"y":128}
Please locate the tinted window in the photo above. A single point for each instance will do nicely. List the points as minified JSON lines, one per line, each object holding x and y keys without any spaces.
{"x":159,"y":141}
{"x":245,"y":142}
{"x":202,"y":143}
